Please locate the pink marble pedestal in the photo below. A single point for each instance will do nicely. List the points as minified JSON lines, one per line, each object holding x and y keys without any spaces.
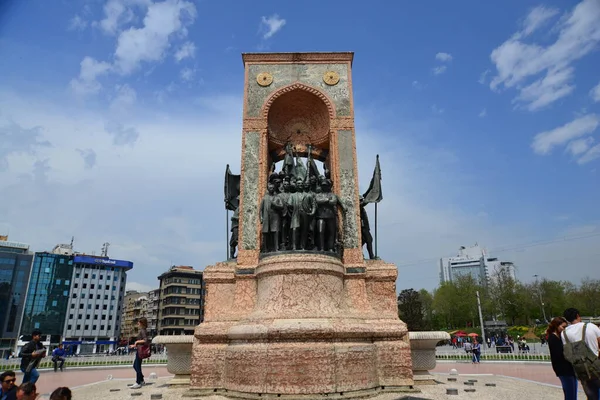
{"x":301,"y":324}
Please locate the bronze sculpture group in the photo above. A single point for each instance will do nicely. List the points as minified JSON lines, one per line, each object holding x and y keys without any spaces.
{"x":299,"y":211}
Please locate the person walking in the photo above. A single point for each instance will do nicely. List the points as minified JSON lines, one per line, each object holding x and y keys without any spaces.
{"x":142,"y":340}
{"x":9,"y":390}
{"x":58,"y":357}
{"x":31,"y":354}
{"x":581,"y":342}
{"x":476,"y":349}
{"x":562,"y":368}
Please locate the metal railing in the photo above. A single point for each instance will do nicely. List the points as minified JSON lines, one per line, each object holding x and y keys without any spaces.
{"x":493,"y":356}
{"x":14,"y":364}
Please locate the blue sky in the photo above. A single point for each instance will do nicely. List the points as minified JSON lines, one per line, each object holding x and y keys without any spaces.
{"x":117,"y":118}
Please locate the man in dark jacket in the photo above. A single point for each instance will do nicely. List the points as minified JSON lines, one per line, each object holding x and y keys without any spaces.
{"x":31,"y":354}
{"x":9,"y":390}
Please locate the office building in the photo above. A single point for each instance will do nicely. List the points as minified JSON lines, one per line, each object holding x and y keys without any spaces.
{"x":94,"y":310}
{"x":152,"y":311}
{"x":181,"y":305}
{"x":75,"y":299}
{"x":474,"y":261}
{"x":469,"y":261}
{"x":15,"y":266}
{"x":134,"y":307}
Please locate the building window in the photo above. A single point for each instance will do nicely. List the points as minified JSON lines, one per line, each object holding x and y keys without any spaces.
{"x":76,"y":285}
{"x":81,"y":306}
{"x":101,"y":327}
{"x":85,"y":286}
{"x":87,"y":317}
{"x":74,"y":295}
{"x":94,"y":327}
{"x":36,"y":325}
{"x":97,"y":297}
{"x":101,"y":277}
{"x":70,"y":316}
{"x":77,"y":276}
{"x":95,"y":317}
{"x":103,"y":317}
{"x":109,"y":327}
{"x":69,"y":327}
{"x":54,"y":303}
{"x":85,"y":276}
{"x":72,"y":305}
{"x":105,"y":297}
{"x":90,"y":296}
{"x":58,"y":281}
{"x":89,"y":306}
{"x":92,"y":286}
{"x":107,"y":287}
{"x":97,"y":306}
{"x":79,"y":316}
{"x":110,"y":317}
{"x":87,"y":327}
{"x":67,"y":282}
{"x":78,"y":327}
{"x":66,"y":293}
{"x":93,"y":276}
{"x":104,"y":306}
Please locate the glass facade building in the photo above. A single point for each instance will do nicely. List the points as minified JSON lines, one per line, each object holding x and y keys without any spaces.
{"x":15,"y":265}
{"x":48,"y":295}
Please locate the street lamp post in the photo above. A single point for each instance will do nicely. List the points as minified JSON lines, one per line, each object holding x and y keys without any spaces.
{"x":540,"y":297}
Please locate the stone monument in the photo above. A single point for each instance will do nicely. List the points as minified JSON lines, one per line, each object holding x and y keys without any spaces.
{"x":299,"y":311}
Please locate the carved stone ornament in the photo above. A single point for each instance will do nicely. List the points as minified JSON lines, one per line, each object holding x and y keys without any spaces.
{"x":264,"y":79}
{"x":331,"y":78}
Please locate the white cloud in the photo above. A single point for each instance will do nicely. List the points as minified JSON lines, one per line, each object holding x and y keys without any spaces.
{"x":436,"y":110}
{"x":483,"y":76}
{"x":543,"y":73}
{"x":483,"y":113}
{"x":591,"y":155}
{"x":439,"y":70}
{"x":536,"y":18}
{"x":271,"y":25}
{"x":595,"y":93}
{"x":187,"y":74}
{"x":117,"y":13}
{"x":125,"y":98}
{"x":544,"y":142}
{"x":580,"y":146}
{"x":87,"y":82}
{"x":443,"y":57}
{"x":149,"y":43}
{"x":140,"y":287}
{"x":77,"y":24}
{"x":89,"y":157}
{"x":187,"y":50}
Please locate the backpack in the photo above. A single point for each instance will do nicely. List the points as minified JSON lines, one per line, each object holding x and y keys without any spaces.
{"x":585,"y":363}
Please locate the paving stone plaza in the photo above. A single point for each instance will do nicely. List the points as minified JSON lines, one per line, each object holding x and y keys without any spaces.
{"x":511,"y":380}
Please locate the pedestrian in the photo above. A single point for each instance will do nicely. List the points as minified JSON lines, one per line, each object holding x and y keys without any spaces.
{"x":61,"y":393}
{"x":27,"y":391}
{"x":489,"y":342}
{"x":142,"y":340}
{"x":476,"y":349}
{"x":581,"y":342}
{"x":31,"y":354}
{"x":562,"y":368}
{"x":58,"y":357}
{"x":9,"y":390}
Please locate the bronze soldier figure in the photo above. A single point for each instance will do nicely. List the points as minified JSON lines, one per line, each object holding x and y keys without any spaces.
{"x":365,"y":229}
{"x":233,"y":242}
{"x":270,"y":210}
{"x":327,"y":203}
{"x":309,"y":207}
{"x":294,"y":208}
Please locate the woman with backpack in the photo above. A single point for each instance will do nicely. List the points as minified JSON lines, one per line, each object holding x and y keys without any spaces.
{"x":562,"y":368}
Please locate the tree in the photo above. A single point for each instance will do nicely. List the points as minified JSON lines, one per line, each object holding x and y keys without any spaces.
{"x":410,"y":309}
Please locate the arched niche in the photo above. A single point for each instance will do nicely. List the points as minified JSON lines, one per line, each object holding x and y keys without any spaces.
{"x":300,"y":115}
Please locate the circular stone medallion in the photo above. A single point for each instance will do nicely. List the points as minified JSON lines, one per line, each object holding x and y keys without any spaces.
{"x":264,"y":79}
{"x":331,"y":78}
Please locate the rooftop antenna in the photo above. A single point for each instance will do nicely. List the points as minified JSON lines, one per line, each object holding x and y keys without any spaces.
{"x":72,"y":239}
{"x":105,"y":249}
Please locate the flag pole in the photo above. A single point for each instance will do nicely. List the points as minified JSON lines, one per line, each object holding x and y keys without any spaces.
{"x":227,"y":233}
{"x":375,"y":230}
